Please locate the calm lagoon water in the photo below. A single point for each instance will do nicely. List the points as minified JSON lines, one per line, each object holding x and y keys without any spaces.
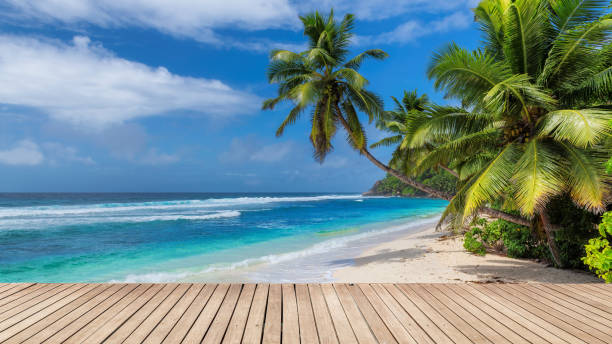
{"x":196,"y":236}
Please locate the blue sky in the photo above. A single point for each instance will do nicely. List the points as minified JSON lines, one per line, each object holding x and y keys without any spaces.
{"x":118,"y":95}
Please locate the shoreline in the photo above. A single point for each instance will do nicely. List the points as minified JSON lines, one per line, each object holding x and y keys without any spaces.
{"x":429,"y":256}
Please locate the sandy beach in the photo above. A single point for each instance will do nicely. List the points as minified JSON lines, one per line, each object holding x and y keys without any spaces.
{"x":431,"y":256}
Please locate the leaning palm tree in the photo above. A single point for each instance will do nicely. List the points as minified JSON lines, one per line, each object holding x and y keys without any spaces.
{"x":326,"y":82}
{"x":539,"y":94}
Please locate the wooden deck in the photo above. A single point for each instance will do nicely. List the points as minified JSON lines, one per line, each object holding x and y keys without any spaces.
{"x":300,"y":313}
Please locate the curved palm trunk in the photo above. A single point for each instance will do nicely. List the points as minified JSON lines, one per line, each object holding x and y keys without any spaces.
{"x":451,"y":171}
{"x":550,"y":239}
{"x":427,"y":189}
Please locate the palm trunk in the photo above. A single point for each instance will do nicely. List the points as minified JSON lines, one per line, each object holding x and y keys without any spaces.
{"x":451,"y":171}
{"x":427,"y":189}
{"x":550,"y":239}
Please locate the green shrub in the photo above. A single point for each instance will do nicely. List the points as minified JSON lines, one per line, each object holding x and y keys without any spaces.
{"x":598,"y":251}
{"x":517,"y":240}
{"x":472,"y":241}
{"x":576,"y":225}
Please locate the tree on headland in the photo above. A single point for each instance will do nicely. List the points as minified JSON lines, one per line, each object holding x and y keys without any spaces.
{"x":535,"y":108}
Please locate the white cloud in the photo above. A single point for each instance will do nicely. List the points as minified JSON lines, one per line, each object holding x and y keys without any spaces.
{"x":383,"y":9}
{"x":413,"y":29}
{"x":58,"y":152}
{"x":250,"y":149}
{"x":190,"y":18}
{"x":84,"y":83}
{"x":203,"y":19}
{"x":25,"y":152}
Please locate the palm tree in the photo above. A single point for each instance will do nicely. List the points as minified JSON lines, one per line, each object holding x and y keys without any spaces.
{"x":538,"y":120}
{"x":406,"y":124}
{"x":325,"y":80}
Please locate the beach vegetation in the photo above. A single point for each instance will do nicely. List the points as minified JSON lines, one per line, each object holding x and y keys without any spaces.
{"x":532,"y":125}
{"x":599,"y":252}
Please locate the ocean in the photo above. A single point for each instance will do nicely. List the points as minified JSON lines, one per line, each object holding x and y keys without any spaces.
{"x":203,"y":237}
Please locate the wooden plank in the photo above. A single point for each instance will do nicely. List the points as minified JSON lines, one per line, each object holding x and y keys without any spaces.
{"x":253,"y":331}
{"x":606,"y":287}
{"x":26,"y":295}
{"x":63,"y":330}
{"x":569,"y":314}
{"x":341,"y":323}
{"x":50,"y":321}
{"x":518,"y":333}
{"x":586,"y":297}
{"x":27,"y":318}
{"x":146,"y":327}
{"x":217,"y":329}
{"x":577,"y":334}
{"x":237,"y":324}
{"x":594,"y":289}
{"x":433,"y":331}
{"x":136,"y":320}
{"x":101,"y":319}
{"x":23,"y":310}
{"x":6,"y":286}
{"x":291,"y":329}
{"x":272,"y":324}
{"x":308,"y":328}
{"x":200,"y":326}
{"x":165,"y":326}
{"x":463,"y":326}
{"x":189,"y":316}
{"x":323,"y":320}
{"x":377,"y":326}
{"x":415,"y":331}
{"x":487,"y":326}
{"x":361,"y":329}
{"x":119,"y":318}
{"x":443,"y":324}
{"x":590,"y":311}
{"x":20,"y":287}
{"x":395,"y":327}
{"x":528,"y":323}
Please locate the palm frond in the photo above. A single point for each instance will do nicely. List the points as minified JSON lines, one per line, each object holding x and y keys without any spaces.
{"x":466,"y":75}
{"x":356,"y":61}
{"x":352,"y":77}
{"x":538,"y":176}
{"x":387,"y":141}
{"x":574,"y":54}
{"x":581,"y":128}
{"x":525,"y":35}
{"x":492,"y":180}
{"x":585,"y":177}
{"x":293,"y":116}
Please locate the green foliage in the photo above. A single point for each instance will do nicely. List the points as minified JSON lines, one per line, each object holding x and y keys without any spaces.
{"x":440,"y":180}
{"x":472,"y":241}
{"x":599,"y":252}
{"x":516,"y":240}
{"x":536,"y":92}
{"x":576,"y":227}
{"x":325,"y":82}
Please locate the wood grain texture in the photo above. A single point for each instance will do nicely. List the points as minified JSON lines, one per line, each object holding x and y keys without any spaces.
{"x":305,"y":313}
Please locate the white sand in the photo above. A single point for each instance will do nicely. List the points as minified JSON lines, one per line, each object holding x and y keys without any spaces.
{"x":425,"y":257}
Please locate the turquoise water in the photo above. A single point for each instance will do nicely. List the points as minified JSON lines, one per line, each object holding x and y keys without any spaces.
{"x":193,"y":237}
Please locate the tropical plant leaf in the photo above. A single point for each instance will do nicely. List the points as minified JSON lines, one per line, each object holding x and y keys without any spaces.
{"x":538,"y":176}
{"x":492,"y":180}
{"x":466,"y":75}
{"x":583,"y":128}
{"x":585,"y":178}
{"x":356,"y":61}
